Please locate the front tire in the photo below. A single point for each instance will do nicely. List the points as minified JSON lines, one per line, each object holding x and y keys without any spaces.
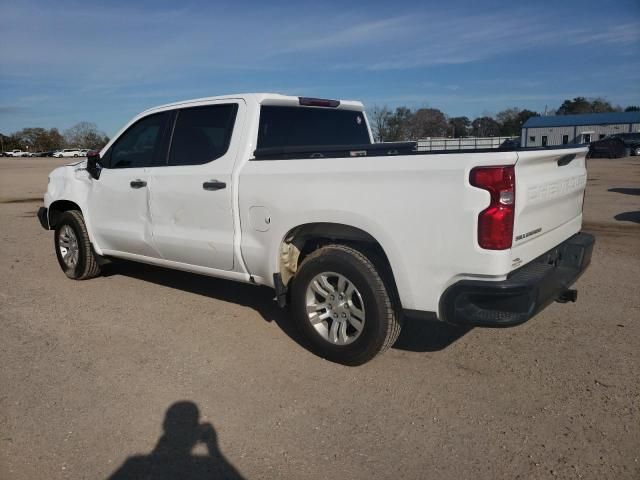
{"x":343,"y":307}
{"x":73,"y":247}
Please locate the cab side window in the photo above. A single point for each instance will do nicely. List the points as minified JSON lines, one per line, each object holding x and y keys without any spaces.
{"x":202,"y":134}
{"x":140,"y":145}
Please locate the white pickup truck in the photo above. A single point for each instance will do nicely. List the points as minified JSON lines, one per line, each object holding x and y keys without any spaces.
{"x":292,"y":193}
{"x":16,"y":153}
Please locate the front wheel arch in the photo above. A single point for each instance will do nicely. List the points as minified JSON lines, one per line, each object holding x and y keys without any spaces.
{"x":57,"y":208}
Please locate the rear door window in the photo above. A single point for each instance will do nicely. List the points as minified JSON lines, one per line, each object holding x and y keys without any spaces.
{"x":310,"y":126}
{"x":202,"y":134}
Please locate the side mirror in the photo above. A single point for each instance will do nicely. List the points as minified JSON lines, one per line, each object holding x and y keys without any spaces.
{"x":94,"y":167}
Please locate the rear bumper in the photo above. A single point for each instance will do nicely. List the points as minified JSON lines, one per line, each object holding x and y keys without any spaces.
{"x":44,"y":218}
{"x":524,"y":293}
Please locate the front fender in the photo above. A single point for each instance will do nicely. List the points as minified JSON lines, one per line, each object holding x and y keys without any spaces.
{"x":71,"y":183}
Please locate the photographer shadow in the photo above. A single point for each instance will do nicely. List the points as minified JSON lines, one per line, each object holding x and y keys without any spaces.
{"x":173,"y":458}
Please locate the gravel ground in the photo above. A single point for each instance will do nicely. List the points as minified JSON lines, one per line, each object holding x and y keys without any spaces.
{"x":90,"y":371}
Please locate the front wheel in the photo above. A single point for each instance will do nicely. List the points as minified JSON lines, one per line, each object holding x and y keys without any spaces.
{"x":343,"y":306}
{"x":73,"y":247}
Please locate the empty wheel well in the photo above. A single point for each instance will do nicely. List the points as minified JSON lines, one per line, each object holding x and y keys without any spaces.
{"x":305,"y":239}
{"x":57,"y":208}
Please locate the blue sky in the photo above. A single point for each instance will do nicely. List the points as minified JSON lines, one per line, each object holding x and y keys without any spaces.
{"x":65,"y":61}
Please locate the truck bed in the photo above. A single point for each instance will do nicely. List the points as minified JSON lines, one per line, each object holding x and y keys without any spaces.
{"x":377,"y":150}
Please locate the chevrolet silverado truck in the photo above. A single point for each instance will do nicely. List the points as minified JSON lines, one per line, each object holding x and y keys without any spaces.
{"x":16,"y":153}
{"x":354,"y":236}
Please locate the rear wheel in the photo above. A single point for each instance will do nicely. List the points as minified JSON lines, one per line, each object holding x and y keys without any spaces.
{"x":73,"y":247}
{"x":343,"y":307}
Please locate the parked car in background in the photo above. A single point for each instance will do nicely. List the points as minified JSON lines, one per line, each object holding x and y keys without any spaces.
{"x":42,"y":153}
{"x":511,"y":143}
{"x":16,"y":153}
{"x":631,"y":142}
{"x":609,"y":147}
{"x":68,"y":152}
{"x":84,"y":151}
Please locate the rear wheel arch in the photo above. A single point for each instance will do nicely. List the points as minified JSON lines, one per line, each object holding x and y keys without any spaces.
{"x":303,"y":240}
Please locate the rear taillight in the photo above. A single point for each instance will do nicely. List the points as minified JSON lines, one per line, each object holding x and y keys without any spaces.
{"x":495,"y":223}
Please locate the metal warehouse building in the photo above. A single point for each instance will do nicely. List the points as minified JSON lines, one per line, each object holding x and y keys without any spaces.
{"x":568,"y":129}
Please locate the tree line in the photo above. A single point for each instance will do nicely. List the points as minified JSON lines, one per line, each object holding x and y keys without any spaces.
{"x":404,"y":124}
{"x":387,"y":125}
{"x":36,"y":139}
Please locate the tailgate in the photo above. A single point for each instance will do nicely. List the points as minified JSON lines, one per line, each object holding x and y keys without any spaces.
{"x":549,"y":193}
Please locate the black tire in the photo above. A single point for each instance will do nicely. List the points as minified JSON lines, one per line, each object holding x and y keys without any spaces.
{"x":382,"y":324}
{"x":86,"y":267}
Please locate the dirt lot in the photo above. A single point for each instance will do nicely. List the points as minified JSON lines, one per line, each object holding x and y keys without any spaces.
{"x":89,"y":370}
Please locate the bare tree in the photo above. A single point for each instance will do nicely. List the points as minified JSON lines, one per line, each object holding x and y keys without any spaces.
{"x":459,"y":126}
{"x":485,"y":127}
{"x":85,"y":135}
{"x":428,"y":122}
{"x":380,"y":123}
{"x":400,"y":125}
{"x":512,"y":119}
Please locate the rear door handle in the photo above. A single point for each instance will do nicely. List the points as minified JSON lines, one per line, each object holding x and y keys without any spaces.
{"x":138,"y":183}
{"x":214,"y":185}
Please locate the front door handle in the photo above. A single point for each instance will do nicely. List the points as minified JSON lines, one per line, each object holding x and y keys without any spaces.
{"x":138,"y":183}
{"x":214,"y":185}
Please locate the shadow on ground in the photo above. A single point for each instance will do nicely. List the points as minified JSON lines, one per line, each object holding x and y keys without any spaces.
{"x":428,"y":335}
{"x":628,"y":217}
{"x":173,"y":458}
{"x":423,"y":335}
{"x":625,"y":191}
{"x":255,"y":297}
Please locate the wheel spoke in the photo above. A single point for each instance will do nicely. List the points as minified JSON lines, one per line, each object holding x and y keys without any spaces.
{"x":315,"y":286}
{"x":326,"y":285}
{"x":316,"y":307}
{"x":357,"y":324}
{"x":343,"y":332}
{"x":342,"y":284}
{"x":356,"y":312}
{"x":349,"y":292}
{"x":333,"y":333}
{"x":316,"y":318}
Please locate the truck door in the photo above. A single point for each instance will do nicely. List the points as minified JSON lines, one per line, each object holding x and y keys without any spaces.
{"x":118,"y":201}
{"x":191,"y":197}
